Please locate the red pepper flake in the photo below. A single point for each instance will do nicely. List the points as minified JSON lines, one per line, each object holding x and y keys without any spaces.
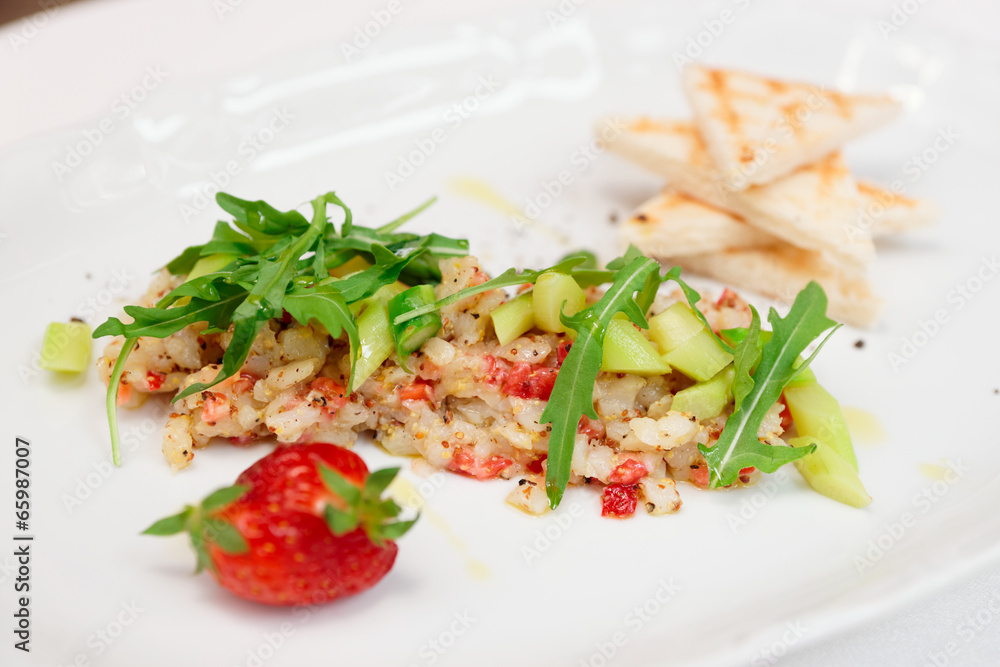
{"x":244,"y":383}
{"x":332,"y":394}
{"x":786,"y":416}
{"x":419,"y":390}
{"x":619,"y":500}
{"x":535,"y":466}
{"x":495,"y":370}
{"x":593,"y":429}
{"x":699,"y":475}
{"x":530,"y":381}
{"x":728,"y":299}
{"x":464,"y":461}
{"x":629,"y":471}
{"x":562,"y":352}
{"x":154,"y":380}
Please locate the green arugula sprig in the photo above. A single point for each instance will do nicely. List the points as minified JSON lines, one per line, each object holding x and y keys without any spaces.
{"x":573,"y":393}
{"x":762,"y":372}
{"x":282,"y":264}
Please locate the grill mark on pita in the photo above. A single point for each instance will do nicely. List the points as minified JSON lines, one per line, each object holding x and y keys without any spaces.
{"x":717,"y":84}
{"x":657,"y":210}
{"x":844,"y":106}
{"x":699,"y":149}
{"x":883,"y":194}
{"x":776,"y":87}
{"x":830,"y":170}
{"x":646,"y":124}
{"x":788,"y":112}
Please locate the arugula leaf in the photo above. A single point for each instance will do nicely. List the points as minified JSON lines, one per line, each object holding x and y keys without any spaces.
{"x":111,"y":399}
{"x":738,"y":446}
{"x":258,"y":218}
{"x":202,"y":287}
{"x":390,"y":227}
{"x":573,"y":392}
{"x":319,"y":258}
{"x":161,"y":322}
{"x":184,"y":261}
{"x":589,"y":258}
{"x":690,"y":294}
{"x":384,"y":271}
{"x":327,"y":305}
{"x":264,"y":300}
{"x":227,"y":240}
{"x":745,"y":359}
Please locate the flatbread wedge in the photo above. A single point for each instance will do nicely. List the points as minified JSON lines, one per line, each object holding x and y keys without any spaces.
{"x":815,"y":207}
{"x":888,"y":213}
{"x":781,"y":271}
{"x":758,"y":130}
{"x":672,"y":223}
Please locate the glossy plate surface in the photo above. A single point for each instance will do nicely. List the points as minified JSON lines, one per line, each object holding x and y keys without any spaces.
{"x":493,"y":117}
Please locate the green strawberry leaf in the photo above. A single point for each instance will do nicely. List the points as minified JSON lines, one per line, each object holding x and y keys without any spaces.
{"x":171,"y":525}
{"x":379,"y":481}
{"x":225,"y":535}
{"x":339,"y":486}
{"x":340,"y":523}
{"x":396,"y":529}
{"x":223,"y":497}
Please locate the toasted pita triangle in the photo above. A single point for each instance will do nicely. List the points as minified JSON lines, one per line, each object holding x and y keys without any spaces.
{"x":781,"y":271}
{"x":888,"y":213}
{"x":815,"y":208}
{"x":672,"y":223}
{"x":758,"y":129}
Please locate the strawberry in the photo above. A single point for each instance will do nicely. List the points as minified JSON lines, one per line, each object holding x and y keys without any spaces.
{"x":289,"y":476}
{"x":304,"y":525}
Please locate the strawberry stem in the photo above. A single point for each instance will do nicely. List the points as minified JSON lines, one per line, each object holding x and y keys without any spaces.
{"x":363,"y":507}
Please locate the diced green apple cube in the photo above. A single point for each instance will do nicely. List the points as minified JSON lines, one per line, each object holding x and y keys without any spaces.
{"x":514,"y":318}
{"x":66,"y":347}
{"x":626,"y":350}
{"x":830,"y":474}
{"x":817,"y":414}
{"x":708,"y":399}
{"x":375,"y":340}
{"x":674,"y":326}
{"x":699,"y":357}
{"x":556,"y":293}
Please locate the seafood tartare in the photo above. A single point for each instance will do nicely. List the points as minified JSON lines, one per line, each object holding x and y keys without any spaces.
{"x":280,"y":327}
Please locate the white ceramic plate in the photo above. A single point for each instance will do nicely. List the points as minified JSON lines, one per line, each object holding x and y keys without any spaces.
{"x":734,"y":577}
